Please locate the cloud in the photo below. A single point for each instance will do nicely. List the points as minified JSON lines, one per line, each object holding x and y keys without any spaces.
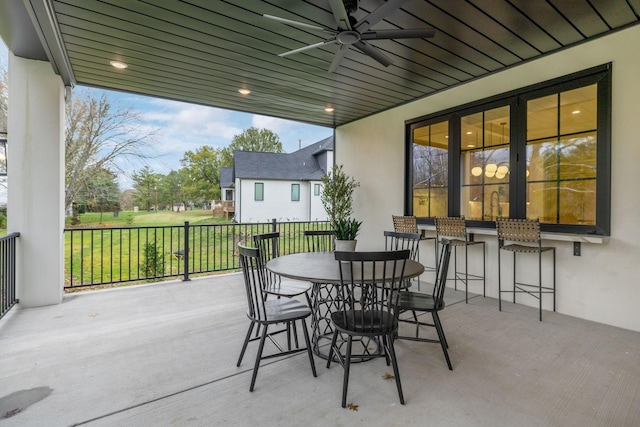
{"x":274,"y":124}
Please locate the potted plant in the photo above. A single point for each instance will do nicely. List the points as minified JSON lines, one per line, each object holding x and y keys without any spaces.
{"x":337,"y":199}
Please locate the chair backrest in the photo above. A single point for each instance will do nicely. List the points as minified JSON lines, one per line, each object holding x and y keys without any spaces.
{"x":518,"y":230}
{"x":269,"y":248}
{"x":370,"y":282}
{"x":451,"y":227}
{"x":441,"y":274}
{"x":320,"y":240}
{"x":396,"y":241}
{"x":253,"y":271}
{"x":405,"y":224}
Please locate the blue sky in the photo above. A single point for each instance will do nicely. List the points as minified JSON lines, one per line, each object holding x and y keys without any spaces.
{"x":181,"y":127}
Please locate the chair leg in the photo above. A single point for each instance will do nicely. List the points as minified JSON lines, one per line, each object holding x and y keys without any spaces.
{"x":394,"y":362}
{"x":514,"y":277}
{"x":466,"y":274}
{"x":540,"y":283}
{"x":499,"y":284}
{"x":308,"y":341}
{"x":443,"y":341}
{"x":347,"y":367}
{"x":258,"y":357}
{"x":334,"y":339}
{"x":246,"y":341}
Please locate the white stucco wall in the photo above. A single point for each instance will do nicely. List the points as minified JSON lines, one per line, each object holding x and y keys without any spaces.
{"x":317,"y":210}
{"x":602,"y":284}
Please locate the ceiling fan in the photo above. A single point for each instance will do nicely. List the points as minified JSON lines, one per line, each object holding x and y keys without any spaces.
{"x":351,"y":32}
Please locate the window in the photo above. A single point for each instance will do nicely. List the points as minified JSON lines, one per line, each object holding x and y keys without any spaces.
{"x":562,"y":168}
{"x":258,"y":191}
{"x":540,"y":152}
{"x":295,"y":192}
{"x":316,"y":189}
{"x":485,"y":164}
{"x":430,"y":169}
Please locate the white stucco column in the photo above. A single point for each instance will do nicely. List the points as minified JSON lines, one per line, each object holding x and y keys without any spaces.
{"x":35,"y":201}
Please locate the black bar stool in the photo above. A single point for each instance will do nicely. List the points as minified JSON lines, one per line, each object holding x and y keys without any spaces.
{"x":455,"y":229}
{"x":524,"y":231}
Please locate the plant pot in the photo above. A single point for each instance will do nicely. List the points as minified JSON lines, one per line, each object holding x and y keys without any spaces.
{"x":346,"y":245}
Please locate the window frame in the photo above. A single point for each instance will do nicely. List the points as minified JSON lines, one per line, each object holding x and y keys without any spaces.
{"x":293,"y":193}
{"x":517,"y":101}
{"x":257,"y":185}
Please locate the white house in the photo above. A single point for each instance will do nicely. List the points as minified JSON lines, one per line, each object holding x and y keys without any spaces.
{"x":284,"y":186}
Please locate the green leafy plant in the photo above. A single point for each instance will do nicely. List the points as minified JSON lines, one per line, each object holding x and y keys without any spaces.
{"x":337,"y":199}
{"x":153,"y":262}
{"x":347,"y":229}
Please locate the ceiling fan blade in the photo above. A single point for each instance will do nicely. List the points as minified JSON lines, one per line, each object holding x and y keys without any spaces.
{"x":373,"y":52}
{"x":417,"y":33}
{"x":337,"y":59}
{"x":303,"y":48}
{"x":298,"y":24}
{"x":379,"y":14}
{"x":340,"y":14}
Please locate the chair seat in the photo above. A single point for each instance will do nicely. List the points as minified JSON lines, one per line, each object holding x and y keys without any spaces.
{"x":365,"y":322}
{"x":281,"y":310}
{"x":288,"y":288}
{"x":417,"y":301}
{"x":526,"y":249}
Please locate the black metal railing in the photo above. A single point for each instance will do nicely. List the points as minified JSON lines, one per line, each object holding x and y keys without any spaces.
{"x":100,"y":256}
{"x":8,"y":272}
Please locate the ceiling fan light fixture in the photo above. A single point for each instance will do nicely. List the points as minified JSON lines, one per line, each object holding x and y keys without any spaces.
{"x":329,"y":109}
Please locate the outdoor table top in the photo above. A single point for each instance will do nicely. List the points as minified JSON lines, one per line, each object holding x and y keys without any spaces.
{"x":322,"y":267}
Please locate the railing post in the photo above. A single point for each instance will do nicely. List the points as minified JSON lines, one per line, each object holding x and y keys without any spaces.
{"x":186,"y":252}
{"x":274,"y":227}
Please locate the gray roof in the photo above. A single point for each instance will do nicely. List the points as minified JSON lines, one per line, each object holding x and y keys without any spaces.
{"x":299,"y":165}
{"x":226,"y":177}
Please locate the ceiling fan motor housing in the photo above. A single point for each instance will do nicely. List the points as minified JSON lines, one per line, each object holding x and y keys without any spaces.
{"x":348,"y":37}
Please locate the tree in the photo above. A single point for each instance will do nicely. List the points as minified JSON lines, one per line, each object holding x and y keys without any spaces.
{"x":145,"y":184}
{"x":170,"y":188}
{"x":200,"y":174}
{"x":99,"y":137}
{"x":101,"y":193}
{"x":252,"y":139}
{"x":4,"y":101}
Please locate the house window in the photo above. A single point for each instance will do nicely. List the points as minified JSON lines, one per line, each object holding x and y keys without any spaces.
{"x":430,"y":169}
{"x":295,"y":192}
{"x":316,"y":189}
{"x":484,"y":156}
{"x":540,"y":152}
{"x":562,"y":146}
{"x":258,"y":189}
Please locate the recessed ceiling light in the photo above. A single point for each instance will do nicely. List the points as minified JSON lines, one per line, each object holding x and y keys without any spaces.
{"x":471,"y":145}
{"x":469,"y":133}
{"x":329,"y":109}
{"x":244,"y":91}
{"x":575,"y":112}
{"x":118,"y":64}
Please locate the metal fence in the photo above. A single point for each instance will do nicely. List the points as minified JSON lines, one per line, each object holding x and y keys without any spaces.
{"x":8,"y":272}
{"x":100,"y":256}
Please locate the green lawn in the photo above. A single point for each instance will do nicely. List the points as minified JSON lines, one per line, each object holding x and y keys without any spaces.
{"x":144,"y":218}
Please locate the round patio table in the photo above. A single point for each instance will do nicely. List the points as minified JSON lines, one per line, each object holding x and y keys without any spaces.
{"x":322,"y":269}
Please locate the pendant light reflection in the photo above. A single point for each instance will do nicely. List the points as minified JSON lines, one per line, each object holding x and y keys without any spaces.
{"x":491,"y":170}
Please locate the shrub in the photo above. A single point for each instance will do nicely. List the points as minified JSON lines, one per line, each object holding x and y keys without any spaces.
{"x":153,"y":262}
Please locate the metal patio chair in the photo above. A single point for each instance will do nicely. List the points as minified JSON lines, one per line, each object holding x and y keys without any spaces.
{"x":268,"y":312}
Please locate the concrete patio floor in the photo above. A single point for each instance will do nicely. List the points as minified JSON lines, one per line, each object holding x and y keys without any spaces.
{"x":165,"y":355}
